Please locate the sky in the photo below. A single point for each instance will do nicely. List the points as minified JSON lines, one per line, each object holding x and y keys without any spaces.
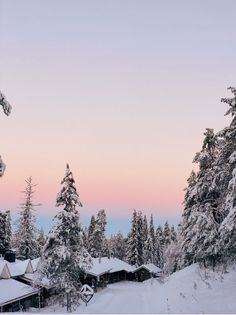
{"x":121,"y":90}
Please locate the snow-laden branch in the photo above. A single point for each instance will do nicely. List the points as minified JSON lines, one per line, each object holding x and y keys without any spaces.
{"x":231,"y":102}
{"x":7,"y":110}
{"x":2,"y":167}
{"x":5,"y":104}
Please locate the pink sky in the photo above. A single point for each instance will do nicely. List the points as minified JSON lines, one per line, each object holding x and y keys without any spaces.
{"x":122,"y":91}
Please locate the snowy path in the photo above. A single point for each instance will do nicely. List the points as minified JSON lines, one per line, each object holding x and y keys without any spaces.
{"x":190,"y":290}
{"x":125,"y":297}
{"x":124,"y":300}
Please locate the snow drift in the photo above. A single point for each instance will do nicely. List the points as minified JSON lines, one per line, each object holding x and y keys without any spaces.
{"x":191,"y":290}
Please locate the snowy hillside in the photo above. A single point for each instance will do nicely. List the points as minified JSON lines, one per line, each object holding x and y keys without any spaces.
{"x":191,"y":290}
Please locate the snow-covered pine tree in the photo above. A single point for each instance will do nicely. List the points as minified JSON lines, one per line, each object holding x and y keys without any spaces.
{"x":145,"y":239}
{"x":100,"y":228}
{"x":152,"y":235}
{"x":2,"y":233}
{"x":105,"y":248}
{"x":7,"y":110}
{"x":150,"y":243}
{"x":98,"y":246}
{"x":8,"y":231}
{"x":201,"y":213}
{"x":188,"y":219}
{"x":25,"y":238}
{"x":85,"y":236}
{"x":166,"y":234}
{"x":135,"y":240}
{"x":227,"y":165}
{"x":159,"y":252}
{"x":41,"y":240}
{"x":227,"y":239}
{"x":5,"y":232}
{"x":64,"y":259}
{"x":118,"y":248}
{"x":141,"y":236}
{"x":173,"y":235}
{"x":91,"y":237}
{"x":173,"y":255}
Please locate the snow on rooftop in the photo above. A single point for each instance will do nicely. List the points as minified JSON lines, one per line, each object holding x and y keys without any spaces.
{"x":14,"y":290}
{"x":150,"y":267}
{"x":32,"y":277}
{"x":100,"y":266}
{"x":4,"y":270}
{"x":105,"y":264}
{"x":2,"y":265}
{"x":19,"y":267}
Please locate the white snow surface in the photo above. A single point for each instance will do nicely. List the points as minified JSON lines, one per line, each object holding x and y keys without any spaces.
{"x":151,"y":268}
{"x":11,"y":289}
{"x":2,"y":265}
{"x":105,"y":264}
{"x":191,"y":290}
{"x":31,"y":277}
{"x":19,"y":267}
{"x":4,"y":270}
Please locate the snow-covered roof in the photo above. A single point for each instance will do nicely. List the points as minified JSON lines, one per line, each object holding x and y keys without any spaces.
{"x":98,"y":268}
{"x":150,"y":267}
{"x":31,"y":277}
{"x":19,"y":267}
{"x":13,"y":290}
{"x":105,"y":264}
{"x":34,"y":263}
{"x":2,"y":265}
{"x":4,"y":270}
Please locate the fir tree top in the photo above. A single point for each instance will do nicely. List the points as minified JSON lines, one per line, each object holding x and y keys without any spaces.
{"x":231,"y":102}
{"x":68,"y":195}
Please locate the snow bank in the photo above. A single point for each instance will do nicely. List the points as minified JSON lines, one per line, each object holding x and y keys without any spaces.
{"x":191,"y":290}
{"x":195,"y":290}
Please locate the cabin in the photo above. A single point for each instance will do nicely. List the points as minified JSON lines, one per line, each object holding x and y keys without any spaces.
{"x":17,"y":292}
{"x":107,"y":270}
{"x":146,"y":272}
{"x":120,"y":271}
{"x":14,"y":294}
{"x":104,"y":270}
{"x":44,"y":288}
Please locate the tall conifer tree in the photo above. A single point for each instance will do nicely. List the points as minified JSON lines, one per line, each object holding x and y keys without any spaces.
{"x":65,"y":259}
{"x":227,"y":160}
{"x":25,"y":238}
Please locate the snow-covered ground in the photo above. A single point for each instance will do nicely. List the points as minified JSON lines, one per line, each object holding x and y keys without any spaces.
{"x":191,"y":290}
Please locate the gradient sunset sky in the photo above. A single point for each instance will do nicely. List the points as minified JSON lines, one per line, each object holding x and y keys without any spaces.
{"x":120,"y":90}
